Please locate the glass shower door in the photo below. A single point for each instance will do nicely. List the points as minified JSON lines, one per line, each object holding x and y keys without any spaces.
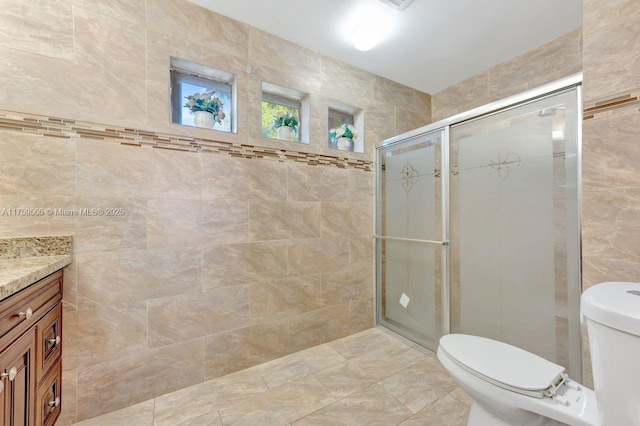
{"x":411,"y":252}
{"x":515,"y":236}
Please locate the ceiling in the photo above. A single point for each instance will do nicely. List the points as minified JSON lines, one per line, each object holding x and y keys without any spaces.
{"x":430,"y":46}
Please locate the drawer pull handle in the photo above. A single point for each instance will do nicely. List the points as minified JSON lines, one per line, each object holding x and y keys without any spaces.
{"x":55,"y":342}
{"x":12,"y":374}
{"x":55,"y":402}
{"x":26,"y":314}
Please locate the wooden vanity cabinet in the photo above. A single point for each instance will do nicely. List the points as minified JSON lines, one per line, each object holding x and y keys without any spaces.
{"x":30,"y":354}
{"x":19,"y":381}
{"x":48,"y":397}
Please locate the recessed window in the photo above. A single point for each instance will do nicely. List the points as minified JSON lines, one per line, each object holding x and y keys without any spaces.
{"x":345,"y":127}
{"x":280,"y":118}
{"x":202,"y":96}
{"x":339,"y":124}
{"x":285,"y":113}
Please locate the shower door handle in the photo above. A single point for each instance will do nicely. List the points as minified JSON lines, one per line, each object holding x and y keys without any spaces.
{"x":412,"y":240}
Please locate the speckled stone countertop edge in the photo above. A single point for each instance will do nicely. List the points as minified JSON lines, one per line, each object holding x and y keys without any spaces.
{"x":17,"y":274}
{"x":18,"y":247}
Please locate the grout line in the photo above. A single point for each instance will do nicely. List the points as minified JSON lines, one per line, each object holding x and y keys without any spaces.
{"x":262,"y":376}
{"x":457,"y":399}
{"x":394,"y":397}
{"x":153,"y":416}
{"x":322,"y":384}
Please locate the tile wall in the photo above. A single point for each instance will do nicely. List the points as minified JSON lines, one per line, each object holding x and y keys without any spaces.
{"x":222,"y":260}
{"x":611,"y":177}
{"x":551,"y":61}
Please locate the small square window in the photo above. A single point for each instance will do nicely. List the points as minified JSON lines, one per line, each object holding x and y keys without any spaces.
{"x":345,"y":127}
{"x":285,"y":113}
{"x":280,"y":118}
{"x":336,"y":120}
{"x":202,"y":96}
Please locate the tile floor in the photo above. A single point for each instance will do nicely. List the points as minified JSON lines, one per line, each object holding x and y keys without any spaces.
{"x":370,"y":378}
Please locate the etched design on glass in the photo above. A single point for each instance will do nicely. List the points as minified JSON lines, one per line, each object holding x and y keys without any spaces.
{"x":503,"y":165}
{"x":409,"y":176}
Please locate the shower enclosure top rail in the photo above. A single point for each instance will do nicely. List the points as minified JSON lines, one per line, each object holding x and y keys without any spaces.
{"x":512,"y":101}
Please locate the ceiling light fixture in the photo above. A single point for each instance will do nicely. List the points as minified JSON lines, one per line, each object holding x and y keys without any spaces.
{"x":372,"y":25}
{"x":365,"y":36}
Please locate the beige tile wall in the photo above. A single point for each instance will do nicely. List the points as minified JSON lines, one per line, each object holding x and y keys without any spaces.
{"x":551,"y":61}
{"x":219,"y":263}
{"x":107,"y":62}
{"x":611,"y":177}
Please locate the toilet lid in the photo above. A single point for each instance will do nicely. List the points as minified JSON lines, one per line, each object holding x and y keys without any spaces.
{"x":502,"y":364}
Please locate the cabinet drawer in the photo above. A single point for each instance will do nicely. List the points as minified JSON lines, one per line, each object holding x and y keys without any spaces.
{"x":48,"y":401}
{"x":48,"y":341}
{"x":25,"y":308}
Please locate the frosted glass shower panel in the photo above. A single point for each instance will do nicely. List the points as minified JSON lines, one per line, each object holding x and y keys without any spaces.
{"x":411,"y":289}
{"x":411,"y":189}
{"x":512,"y":257}
{"x":410,"y":274}
{"x":507,"y":234}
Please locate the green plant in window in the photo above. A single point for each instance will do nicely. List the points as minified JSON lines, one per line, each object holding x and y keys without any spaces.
{"x":269,"y":110}
{"x":343,"y":131}
{"x":286,"y":119}
{"x":207,"y":102}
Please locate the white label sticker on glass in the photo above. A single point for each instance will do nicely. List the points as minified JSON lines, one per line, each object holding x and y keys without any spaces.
{"x":404,"y":300}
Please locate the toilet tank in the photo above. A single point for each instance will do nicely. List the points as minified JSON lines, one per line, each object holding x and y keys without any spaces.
{"x":612,"y":313}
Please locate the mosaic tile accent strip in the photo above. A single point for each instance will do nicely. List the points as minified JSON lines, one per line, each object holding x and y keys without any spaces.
{"x":15,"y":248}
{"x":620,"y":103}
{"x":68,"y":129}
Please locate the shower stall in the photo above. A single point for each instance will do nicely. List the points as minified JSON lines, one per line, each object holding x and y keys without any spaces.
{"x":478,"y":226}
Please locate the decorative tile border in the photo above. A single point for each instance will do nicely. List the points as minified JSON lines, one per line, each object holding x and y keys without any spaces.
{"x":620,"y":103}
{"x":68,"y":129}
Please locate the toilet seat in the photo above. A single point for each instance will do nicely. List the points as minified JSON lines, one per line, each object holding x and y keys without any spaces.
{"x":505,"y":366}
{"x":507,"y":396}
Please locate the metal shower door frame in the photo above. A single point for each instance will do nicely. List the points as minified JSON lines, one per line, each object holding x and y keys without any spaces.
{"x":444,"y":126}
{"x":444,"y":243}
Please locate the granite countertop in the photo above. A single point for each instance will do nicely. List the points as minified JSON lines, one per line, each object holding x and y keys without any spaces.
{"x":24,"y":261}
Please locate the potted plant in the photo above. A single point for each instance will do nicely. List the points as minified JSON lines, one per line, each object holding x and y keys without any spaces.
{"x":286,"y":126}
{"x":206,"y":109}
{"x":344,"y":135}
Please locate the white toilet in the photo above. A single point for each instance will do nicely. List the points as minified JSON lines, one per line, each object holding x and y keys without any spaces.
{"x":510,"y":386}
